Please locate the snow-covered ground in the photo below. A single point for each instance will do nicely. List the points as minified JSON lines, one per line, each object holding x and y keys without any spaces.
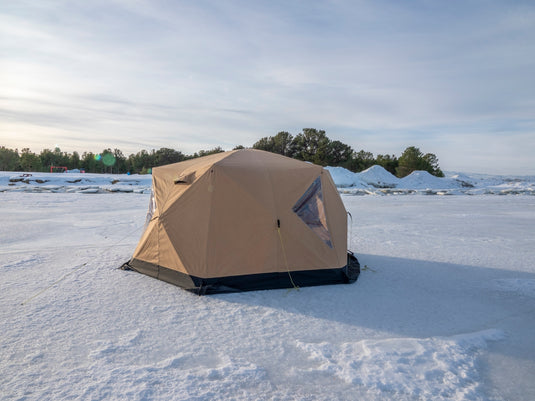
{"x":74,"y":182}
{"x":373,"y":181}
{"x":444,"y":308}
{"x":377,"y":181}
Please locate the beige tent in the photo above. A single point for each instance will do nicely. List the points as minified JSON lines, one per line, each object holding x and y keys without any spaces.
{"x":244,"y":220}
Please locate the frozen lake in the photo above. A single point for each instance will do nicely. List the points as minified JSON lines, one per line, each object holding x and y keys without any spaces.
{"x":444,"y":309}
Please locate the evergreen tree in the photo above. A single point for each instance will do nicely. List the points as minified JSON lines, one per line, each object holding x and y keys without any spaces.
{"x":203,"y":153}
{"x":389,"y":163}
{"x":339,"y":154}
{"x":60,"y":158}
{"x":9,"y":159}
{"x":265,"y":143}
{"x":413,"y":159}
{"x":410,"y":160}
{"x":140,"y":162}
{"x":74,"y":161}
{"x":432,"y":162}
{"x":29,"y":161}
{"x":165,"y":156}
{"x":360,"y":161}
{"x":48,"y":159}
{"x":88,"y":162}
{"x":312,"y":145}
{"x":120,"y":161}
{"x":282,"y":143}
{"x":106,"y":162}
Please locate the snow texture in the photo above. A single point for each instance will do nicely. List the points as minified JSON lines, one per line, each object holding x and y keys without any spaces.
{"x":444,"y":308}
{"x":377,"y":181}
{"x":378,"y":177}
{"x":373,"y":181}
{"x":74,"y":182}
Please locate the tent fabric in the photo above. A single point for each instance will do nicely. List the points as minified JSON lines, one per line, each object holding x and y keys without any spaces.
{"x":244,"y":220}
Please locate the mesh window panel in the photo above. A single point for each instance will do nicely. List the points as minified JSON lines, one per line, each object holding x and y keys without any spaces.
{"x":310,"y":209}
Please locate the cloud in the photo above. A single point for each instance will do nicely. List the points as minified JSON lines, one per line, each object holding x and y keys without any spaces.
{"x":203,"y":74}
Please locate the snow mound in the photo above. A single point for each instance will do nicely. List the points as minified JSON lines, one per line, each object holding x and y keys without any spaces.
{"x":428,"y":368}
{"x":424,"y":180}
{"x":464,"y":180}
{"x":378,"y":177}
{"x":343,"y":178}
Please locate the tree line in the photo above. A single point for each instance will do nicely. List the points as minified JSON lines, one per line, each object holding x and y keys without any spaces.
{"x":310,"y":145}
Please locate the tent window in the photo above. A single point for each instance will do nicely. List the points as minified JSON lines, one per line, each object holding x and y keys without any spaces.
{"x":311,"y":210}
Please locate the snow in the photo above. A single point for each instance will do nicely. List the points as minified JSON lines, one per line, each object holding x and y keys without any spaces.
{"x":444,"y":308}
{"x":345,"y":178}
{"x":377,"y":181}
{"x":378,"y":177}
{"x":424,"y":180}
{"x":373,"y":181}
{"x":431,"y":367}
{"x":74,"y":182}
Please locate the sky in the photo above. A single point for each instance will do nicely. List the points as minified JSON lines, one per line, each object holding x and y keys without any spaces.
{"x":453,"y":78}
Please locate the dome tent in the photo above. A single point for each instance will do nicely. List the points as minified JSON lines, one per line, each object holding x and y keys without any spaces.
{"x":244,"y":220}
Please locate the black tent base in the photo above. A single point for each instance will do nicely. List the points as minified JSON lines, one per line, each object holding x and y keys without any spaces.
{"x":250,"y":282}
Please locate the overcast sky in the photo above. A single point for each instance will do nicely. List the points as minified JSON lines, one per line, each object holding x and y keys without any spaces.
{"x":454,"y":78}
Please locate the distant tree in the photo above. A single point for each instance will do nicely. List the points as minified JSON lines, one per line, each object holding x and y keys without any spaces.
{"x":432,"y":165}
{"x":9,"y":159}
{"x":29,"y":161}
{"x":54,"y":158}
{"x":282,"y":144}
{"x":48,"y":159}
{"x":360,"y":161}
{"x":239,"y":147}
{"x":141,"y":161}
{"x":106,"y":161}
{"x":74,"y":161}
{"x":165,"y":156}
{"x":120,"y":161}
{"x":203,"y":153}
{"x":312,"y":145}
{"x":61,"y":158}
{"x":266,"y":143}
{"x":388,"y":162}
{"x":88,"y":162}
{"x":338,"y":154}
{"x":413,"y":159}
{"x":410,"y":160}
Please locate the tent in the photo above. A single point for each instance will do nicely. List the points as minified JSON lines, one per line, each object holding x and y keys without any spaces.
{"x":244,"y":220}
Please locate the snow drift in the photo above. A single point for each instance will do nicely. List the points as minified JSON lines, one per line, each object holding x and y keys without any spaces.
{"x":373,"y":181}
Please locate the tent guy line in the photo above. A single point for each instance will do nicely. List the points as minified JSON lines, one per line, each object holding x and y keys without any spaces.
{"x":53,"y":284}
{"x":284,"y":254}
